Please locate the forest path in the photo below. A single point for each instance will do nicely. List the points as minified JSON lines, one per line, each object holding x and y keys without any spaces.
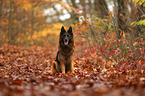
{"x":25,"y":71}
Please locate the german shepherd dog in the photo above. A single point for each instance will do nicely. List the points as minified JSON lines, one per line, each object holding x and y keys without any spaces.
{"x":64,"y":60}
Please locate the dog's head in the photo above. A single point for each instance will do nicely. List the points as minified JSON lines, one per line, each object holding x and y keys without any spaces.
{"x":66,"y":37}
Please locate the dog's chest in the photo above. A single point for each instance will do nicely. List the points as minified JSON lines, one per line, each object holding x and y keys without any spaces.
{"x":65,"y":58}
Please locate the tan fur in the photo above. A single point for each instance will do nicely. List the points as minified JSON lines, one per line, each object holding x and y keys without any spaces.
{"x":64,"y":62}
{"x":54,"y":67}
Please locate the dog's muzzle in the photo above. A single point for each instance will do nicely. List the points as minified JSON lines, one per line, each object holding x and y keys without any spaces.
{"x":66,"y":41}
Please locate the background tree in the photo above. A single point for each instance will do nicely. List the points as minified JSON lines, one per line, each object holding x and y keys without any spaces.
{"x":23,"y":20}
{"x":122,"y":20}
{"x":101,"y":7}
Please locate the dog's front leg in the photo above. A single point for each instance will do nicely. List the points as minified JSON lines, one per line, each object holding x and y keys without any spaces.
{"x":63,"y":67}
{"x":72,"y":66}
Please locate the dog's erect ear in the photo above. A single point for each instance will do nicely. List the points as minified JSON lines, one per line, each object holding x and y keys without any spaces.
{"x":70,"y":30}
{"x":62,"y":30}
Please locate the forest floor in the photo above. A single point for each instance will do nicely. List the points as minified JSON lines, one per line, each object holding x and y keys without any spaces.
{"x":25,"y":71}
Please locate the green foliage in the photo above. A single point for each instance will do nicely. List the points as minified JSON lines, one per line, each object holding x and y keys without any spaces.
{"x":140,"y":2}
{"x":98,"y":37}
{"x":142,"y":21}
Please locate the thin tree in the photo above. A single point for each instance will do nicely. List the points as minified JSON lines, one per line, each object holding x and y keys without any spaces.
{"x":122,"y":26}
{"x":1,"y":8}
{"x":101,"y":7}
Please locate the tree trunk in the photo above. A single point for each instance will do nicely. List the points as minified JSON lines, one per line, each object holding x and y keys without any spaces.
{"x":101,"y":7}
{"x":73,"y":14}
{"x":84,"y":8}
{"x":32,"y":19}
{"x":1,"y":7}
{"x":122,"y":26}
{"x":10,"y":30}
{"x":57,"y":14}
{"x":91,"y":7}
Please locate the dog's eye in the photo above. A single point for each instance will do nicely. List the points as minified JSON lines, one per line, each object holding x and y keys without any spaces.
{"x":67,"y":35}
